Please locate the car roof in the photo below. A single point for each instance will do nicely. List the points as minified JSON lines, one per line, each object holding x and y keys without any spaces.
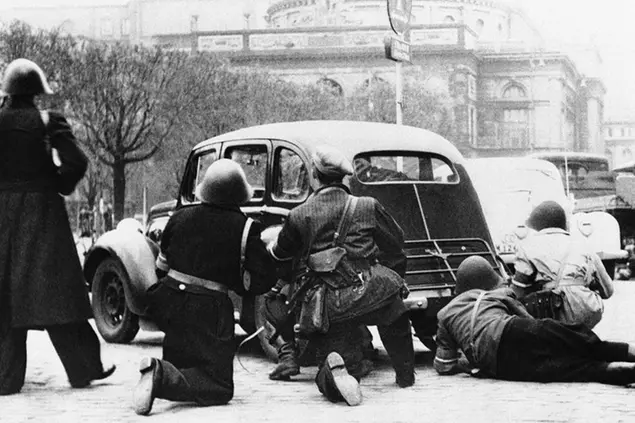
{"x":569,"y":155}
{"x":513,"y":162}
{"x":351,"y":137}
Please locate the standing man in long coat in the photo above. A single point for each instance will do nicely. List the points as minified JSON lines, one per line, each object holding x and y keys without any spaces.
{"x":41,"y":280}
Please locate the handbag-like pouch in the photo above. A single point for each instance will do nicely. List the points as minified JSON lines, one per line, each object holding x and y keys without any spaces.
{"x":313,"y":315}
{"x":326,"y":260}
{"x":543,"y":304}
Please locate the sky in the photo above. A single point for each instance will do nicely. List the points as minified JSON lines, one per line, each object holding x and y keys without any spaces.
{"x":607,"y":24}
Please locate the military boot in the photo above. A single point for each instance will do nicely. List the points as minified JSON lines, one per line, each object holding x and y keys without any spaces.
{"x":287,"y":362}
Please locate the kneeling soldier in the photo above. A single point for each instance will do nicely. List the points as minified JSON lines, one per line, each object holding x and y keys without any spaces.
{"x":200,"y":262}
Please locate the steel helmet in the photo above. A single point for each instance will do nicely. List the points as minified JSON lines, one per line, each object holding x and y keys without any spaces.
{"x":24,"y":77}
{"x":224,"y":183}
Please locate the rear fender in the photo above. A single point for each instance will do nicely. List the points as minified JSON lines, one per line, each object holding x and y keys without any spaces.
{"x":136,"y":254}
{"x":600,"y":232}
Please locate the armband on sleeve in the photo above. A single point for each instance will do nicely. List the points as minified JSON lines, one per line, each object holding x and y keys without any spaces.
{"x":162,"y":263}
{"x":446,"y":361}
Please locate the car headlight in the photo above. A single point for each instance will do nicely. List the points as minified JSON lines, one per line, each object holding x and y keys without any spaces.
{"x":585,"y":226}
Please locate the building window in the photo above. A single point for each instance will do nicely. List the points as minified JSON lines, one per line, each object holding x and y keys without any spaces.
{"x":125,"y":27}
{"x":449,"y":19}
{"x":514,"y":131}
{"x":514,"y":92}
{"x":106,"y":27}
{"x":610,"y":132}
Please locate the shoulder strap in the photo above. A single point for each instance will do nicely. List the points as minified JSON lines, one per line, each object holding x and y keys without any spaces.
{"x":44,"y":114}
{"x":347,"y":215}
{"x":477,"y":303}
{"x":243,"y":251}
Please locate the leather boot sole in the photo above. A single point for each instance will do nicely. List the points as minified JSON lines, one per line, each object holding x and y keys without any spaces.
{"x":346,"y":384}
{"x":143,"y":395}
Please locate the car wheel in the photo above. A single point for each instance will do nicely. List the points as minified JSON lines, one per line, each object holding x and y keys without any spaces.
{"x":114,"y":320}
{"x":271,"y":351}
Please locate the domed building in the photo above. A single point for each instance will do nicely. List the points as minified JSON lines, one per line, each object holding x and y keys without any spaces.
{"x":508,"y":92}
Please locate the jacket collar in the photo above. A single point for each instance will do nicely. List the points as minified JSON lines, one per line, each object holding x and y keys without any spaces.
{"x":332,"y":187}
{"x":553,"y":231}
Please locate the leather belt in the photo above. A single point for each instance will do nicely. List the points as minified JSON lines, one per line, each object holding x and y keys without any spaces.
{"x":194,"y":280}
{"x":568,"y":282}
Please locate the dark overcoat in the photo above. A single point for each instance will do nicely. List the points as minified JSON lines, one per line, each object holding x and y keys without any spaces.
{"x":41,"y":279}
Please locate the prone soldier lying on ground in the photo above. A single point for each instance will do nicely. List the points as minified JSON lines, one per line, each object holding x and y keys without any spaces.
{"x":501,"y":340}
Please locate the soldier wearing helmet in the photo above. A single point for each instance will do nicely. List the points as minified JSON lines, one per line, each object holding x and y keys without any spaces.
{"x":24,"y":77}
{"x":199,"y":263}
{"x":41,"y":281}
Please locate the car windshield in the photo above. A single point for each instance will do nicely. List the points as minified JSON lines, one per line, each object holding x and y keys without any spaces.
{"x":399,"y":167}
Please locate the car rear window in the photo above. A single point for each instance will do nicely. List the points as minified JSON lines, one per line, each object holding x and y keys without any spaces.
{"x":404,"y":167}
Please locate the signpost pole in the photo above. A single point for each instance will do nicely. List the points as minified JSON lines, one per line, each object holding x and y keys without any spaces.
{"x":398,"y":94}
{"x":397,"y":48}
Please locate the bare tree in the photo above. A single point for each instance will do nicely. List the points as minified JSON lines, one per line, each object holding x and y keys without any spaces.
{"x":128,"y":101}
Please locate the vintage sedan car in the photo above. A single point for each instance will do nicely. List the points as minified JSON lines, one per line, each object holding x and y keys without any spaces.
{"x":509,"y":189}
{"x":417,"y":175}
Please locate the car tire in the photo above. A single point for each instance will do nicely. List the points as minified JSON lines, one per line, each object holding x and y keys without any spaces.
{"x":114,"y":320}
{"x":271,"y":351}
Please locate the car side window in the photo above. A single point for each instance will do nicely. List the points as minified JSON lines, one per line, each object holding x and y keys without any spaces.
{"x":291,"y":176}
{"x":253,"y":160}
{"x":203,"y":162}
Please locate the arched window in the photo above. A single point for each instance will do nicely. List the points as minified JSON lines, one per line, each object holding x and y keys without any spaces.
{"x":327,"y":84}
{"x":514,"y":92}
{"x":449,"y":19}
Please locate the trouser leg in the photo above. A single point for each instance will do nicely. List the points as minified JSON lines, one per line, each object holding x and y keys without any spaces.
{"x":207,"y":385}
{"x":397,"y":340}
{"x":547,"y":351}
{"x":79,"y":350}
{"x":346,"y":339}
{"x":12,"y":360}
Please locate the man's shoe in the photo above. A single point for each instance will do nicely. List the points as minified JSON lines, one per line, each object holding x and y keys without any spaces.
{"x":84,"y":383}
{"x":106,"y":373}
{"x":346,"y":384}
{"x":406,"y":380}
{"x":285,"y":369}
{"x":143,"y":395}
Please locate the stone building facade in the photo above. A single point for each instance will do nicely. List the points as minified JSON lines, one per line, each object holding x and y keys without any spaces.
{"x":510,"y":93}
{"x":620,"y":141}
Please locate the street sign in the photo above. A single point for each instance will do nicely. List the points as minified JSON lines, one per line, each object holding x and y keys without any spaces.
{"x":397,"y":49}
{"x":399,"y":12}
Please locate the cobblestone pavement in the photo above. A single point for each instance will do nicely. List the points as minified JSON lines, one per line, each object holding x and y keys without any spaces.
{"x":46,"y":396}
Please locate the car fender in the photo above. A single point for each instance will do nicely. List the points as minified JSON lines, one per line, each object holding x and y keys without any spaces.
{"x":600,"y":231}
{"x":136,"y":253}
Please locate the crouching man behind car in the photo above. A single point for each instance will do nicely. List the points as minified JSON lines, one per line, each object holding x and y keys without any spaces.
{"x":373,"y":245}
{"x":200,"y":261}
